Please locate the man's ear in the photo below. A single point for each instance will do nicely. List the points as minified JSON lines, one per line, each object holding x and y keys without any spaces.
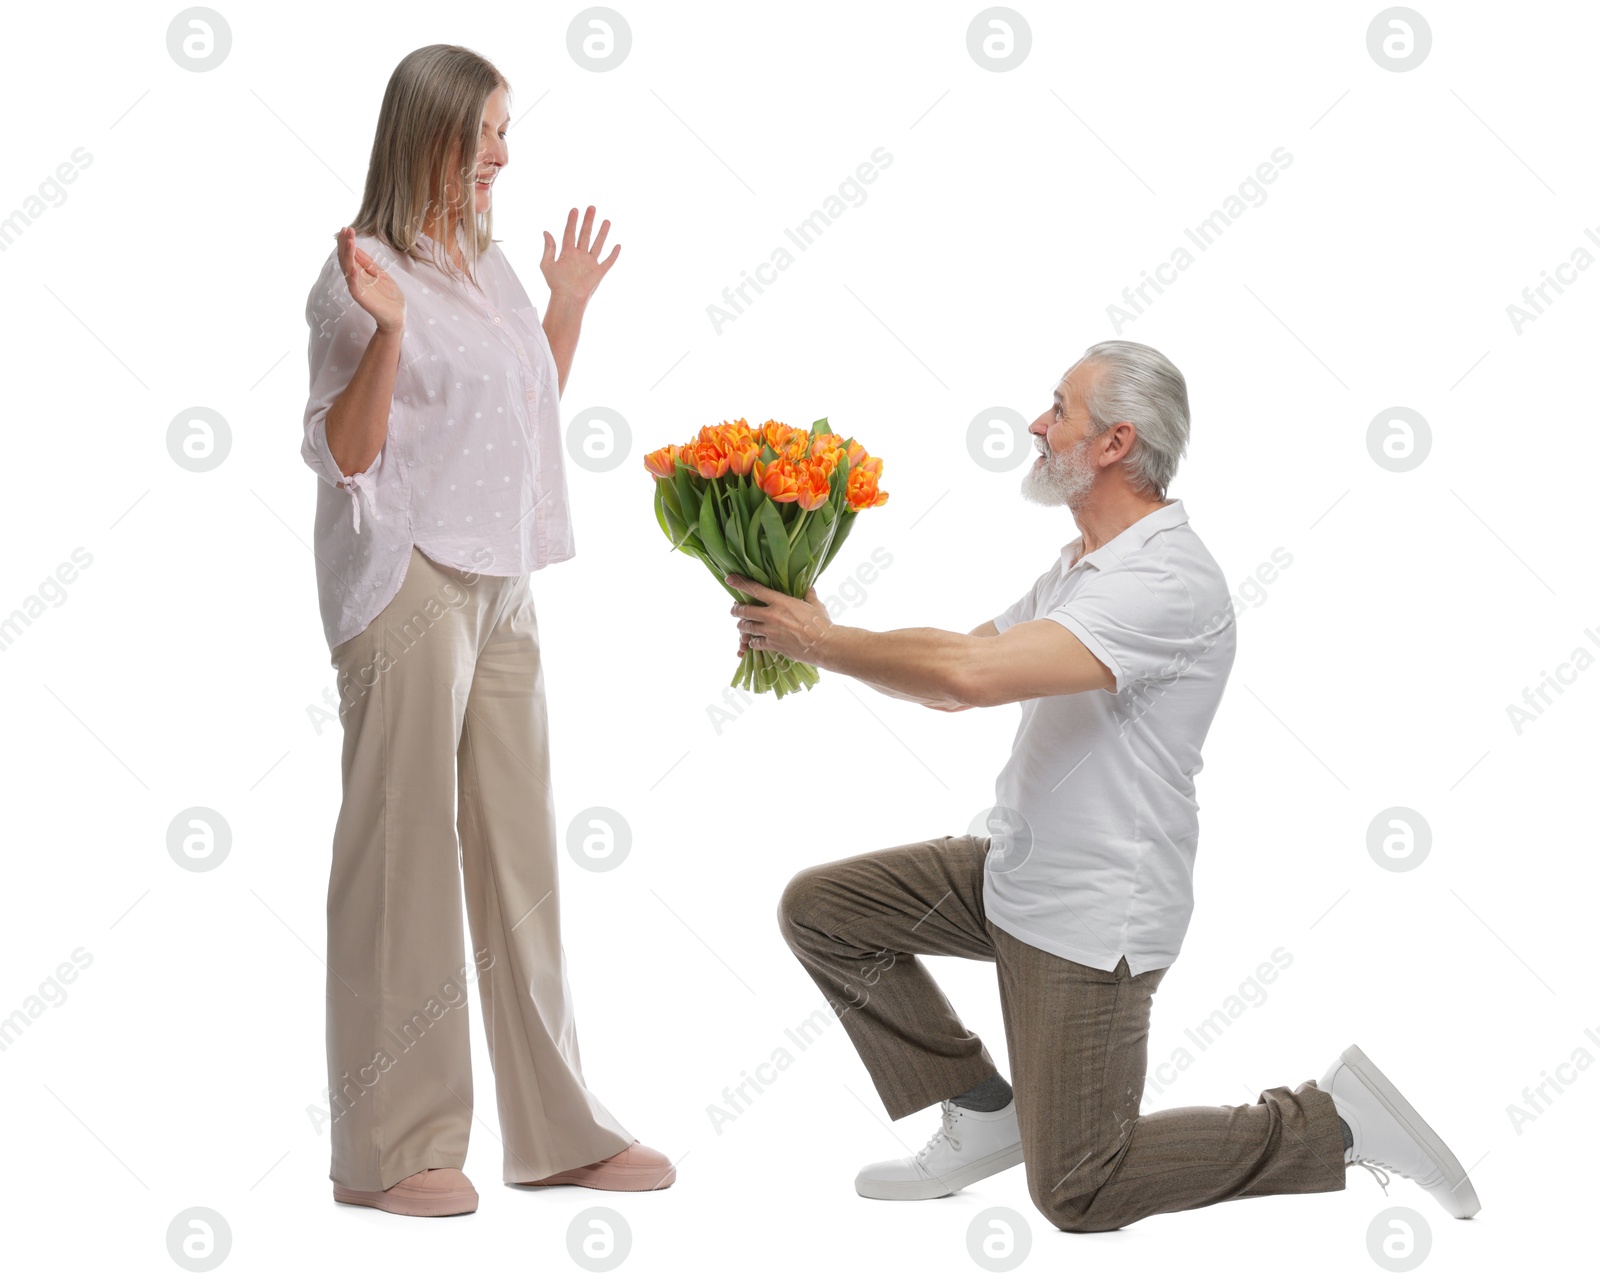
{"x":1120,"y":437}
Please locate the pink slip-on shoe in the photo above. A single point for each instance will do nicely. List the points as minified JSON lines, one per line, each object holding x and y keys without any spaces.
{"x":433,"y":1193}
{"x":637,"y":1168}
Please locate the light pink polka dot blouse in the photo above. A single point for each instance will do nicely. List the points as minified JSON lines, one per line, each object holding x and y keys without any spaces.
{"x":472,"y":470}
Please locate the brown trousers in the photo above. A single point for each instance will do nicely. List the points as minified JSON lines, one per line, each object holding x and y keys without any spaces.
{"x":445,"y":736}
{"x":1076,"y":1037}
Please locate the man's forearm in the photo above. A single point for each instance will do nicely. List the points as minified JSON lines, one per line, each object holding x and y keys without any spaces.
{"x":924,"y":664}
{"x":889,"y":692}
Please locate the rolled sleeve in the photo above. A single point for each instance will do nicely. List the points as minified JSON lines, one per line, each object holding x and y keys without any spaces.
{"x":320,"y":457}
{"x":340,"y":332}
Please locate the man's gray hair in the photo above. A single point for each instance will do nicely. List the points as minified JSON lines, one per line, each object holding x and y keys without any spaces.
{"x":1135,"y":383}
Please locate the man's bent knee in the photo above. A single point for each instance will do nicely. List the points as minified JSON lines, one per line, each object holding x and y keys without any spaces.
{"x":797,"y":903}
{"x":1080,"y":1214}
{"x":1080,"y":1206}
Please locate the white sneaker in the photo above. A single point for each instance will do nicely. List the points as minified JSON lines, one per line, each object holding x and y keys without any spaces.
{"x":969,"y":1145}
{"x":1389,"y":1134}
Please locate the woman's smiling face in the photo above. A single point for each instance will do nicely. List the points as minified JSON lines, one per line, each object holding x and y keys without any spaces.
{"x":492,"y":152}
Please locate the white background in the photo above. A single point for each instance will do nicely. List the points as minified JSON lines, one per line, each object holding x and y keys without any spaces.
{"x":179,"y":668}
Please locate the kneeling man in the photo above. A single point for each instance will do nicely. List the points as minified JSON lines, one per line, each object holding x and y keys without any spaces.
{"x":1081,"y":894}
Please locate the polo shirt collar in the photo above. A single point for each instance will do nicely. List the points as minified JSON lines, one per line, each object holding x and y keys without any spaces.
{"x":1135,"y":535}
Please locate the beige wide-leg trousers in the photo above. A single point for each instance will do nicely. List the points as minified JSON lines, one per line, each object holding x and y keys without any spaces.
{"x":443,"y":707}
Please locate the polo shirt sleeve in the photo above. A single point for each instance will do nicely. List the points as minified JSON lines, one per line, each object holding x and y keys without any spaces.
{"x":340,"y":330}
{"x":1025,"y":609}
{"x":1139,"y":622}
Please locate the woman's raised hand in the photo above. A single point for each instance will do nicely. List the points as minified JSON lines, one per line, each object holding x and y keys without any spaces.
{"x":370,"y":285}
{"x":577,"y":272}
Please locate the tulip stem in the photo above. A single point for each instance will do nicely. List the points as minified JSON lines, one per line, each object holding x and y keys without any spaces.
{"x":762,"y":671}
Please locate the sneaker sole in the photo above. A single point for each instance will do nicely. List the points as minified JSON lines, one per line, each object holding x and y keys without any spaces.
{"x":933,"y":1188}
{"x":1419,"y":1129}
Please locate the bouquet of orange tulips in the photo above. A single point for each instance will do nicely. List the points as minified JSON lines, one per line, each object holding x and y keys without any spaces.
{"x":774,"y":504}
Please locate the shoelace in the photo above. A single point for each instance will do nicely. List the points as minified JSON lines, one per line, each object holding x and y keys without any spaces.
{"x":1377,"y":1169}
{"x":946,"y":1131}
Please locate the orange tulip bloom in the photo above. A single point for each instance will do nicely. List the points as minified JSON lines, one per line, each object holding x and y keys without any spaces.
{"x":730,"y":433}
{"x":780,"y":435}
{"x":862,"y":487}
{"x":743,"y":455}
{"x":707,"y":457}
{"x":778,"y":480}
{"x":663,"y":462}
{"x":830,"y":458}
{"x":812,"y":487}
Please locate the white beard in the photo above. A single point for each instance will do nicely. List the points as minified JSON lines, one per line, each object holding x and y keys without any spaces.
{"x":1064,"y":480}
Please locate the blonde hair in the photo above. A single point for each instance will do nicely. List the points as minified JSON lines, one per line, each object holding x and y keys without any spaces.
{"x":435,"y":98}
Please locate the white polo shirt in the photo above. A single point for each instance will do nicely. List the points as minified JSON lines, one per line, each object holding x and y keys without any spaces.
{"x":1095,"y":822}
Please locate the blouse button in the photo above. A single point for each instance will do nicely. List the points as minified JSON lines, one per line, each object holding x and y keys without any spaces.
{"x":497,"y":319}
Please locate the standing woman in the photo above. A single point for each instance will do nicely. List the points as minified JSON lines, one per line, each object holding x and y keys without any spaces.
{"x":433,"y":421}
